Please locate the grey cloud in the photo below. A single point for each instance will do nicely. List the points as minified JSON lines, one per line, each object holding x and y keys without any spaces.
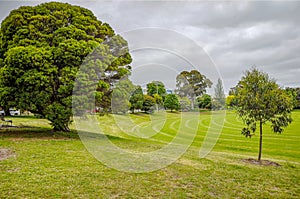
{"x":236,"y":35}
{"x":240,"y":14}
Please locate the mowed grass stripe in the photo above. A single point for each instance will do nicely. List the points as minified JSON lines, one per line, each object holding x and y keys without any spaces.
{"x":50,"y":165}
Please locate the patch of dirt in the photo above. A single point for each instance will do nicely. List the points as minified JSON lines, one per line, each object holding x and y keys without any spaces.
{"x":17,"y":139}
{"x":6,"y":153}
{"x":261,"y":162}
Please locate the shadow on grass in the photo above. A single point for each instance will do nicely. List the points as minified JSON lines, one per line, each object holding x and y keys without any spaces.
{"x":141,"y":113}
{"x":41,"y":132}
{"x":23,"y":116}
{"x":34,"y":132}
{"x":92,"y":135}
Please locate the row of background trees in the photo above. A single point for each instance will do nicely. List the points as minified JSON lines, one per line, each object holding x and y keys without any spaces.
{"x":190,"y":94}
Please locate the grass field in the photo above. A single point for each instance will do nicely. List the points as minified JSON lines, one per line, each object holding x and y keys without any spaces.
{"x":57,"y":165}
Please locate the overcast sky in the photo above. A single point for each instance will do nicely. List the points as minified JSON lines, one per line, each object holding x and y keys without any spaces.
{"x":229,"y":37}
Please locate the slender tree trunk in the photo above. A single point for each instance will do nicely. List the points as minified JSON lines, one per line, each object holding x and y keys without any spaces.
{"x":192,"y":104}
{"x":260,"y":140}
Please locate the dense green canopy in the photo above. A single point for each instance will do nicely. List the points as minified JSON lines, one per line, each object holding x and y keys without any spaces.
{"x":171,"y":102}
{"x":41,"y":50}
{"x":148,"y":104}
{"x":205,"y":101}
{"x":136,"y":99}
{"x":156,"y":87}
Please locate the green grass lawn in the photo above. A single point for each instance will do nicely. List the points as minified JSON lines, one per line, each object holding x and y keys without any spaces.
{"x":57,"y":165}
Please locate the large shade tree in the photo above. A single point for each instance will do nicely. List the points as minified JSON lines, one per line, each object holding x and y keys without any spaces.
{"x":42,"y":48}
{"x":192,"y":85}
{"x":258,"y":99}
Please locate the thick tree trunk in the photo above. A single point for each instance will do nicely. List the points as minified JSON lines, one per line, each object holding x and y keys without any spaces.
{"x":260,"y":140}
{"x":63,"y":129}
{"x":6,"y":110}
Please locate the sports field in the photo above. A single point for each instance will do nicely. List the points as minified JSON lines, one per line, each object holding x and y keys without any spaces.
{"x":58,"y":165}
